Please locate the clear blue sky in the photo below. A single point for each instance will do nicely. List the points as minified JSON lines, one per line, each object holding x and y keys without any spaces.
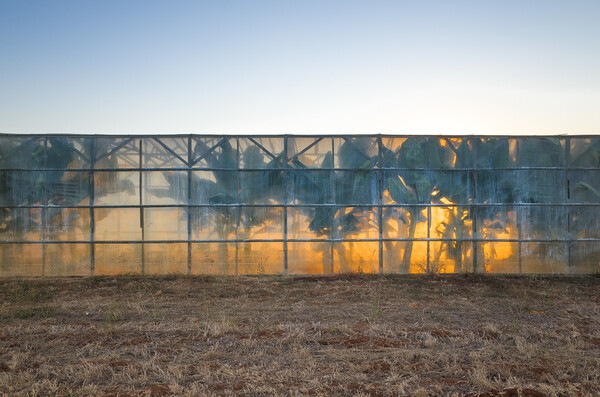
{"x":300,"y":66}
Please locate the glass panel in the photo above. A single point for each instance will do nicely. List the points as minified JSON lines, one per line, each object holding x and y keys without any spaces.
{"x":165,"y":224}
{"x":68,"y":259}
{"x":451,"y":256}
{"x":257,"y":258}
{"x":116,"y":188}
{"x":258,"y":223}
{"x":21,"y":188}
{"x":498,"y":257}
{"x":165,"y":187}
{"x":355,"y":153}
{"x":356,"y":257}
{"x":114,"y":224}
{"x":215,"y":187}
{"x":264,"y":152}
{"x":488,"y":153}
{"x":116,"y":153}
{"x":261,"y":187}
{"x":498,"y":187}
{"x":409,"y":222}
{"x":356,"y":223}
{"x":165,"y":258}
{"x":541,"y":152}
{"x":20,"y":224}
{"x":584,"y":186}
{"x":70,"y":188}
{"x":545,"y":258}
{"x":310,"y":223}
{"x":309,"y":187}
{"x":213,"y":258}
{"x":113,"y":259}
{"x":585,"y":257}
{"x":495,"y":223}
{"x":213,"y":223}
{"x":390,"y":150}
{"x":402,"y":257}
{"x":215,"y":152}
{"x":68,"y":224}
{"x":451,"y":223}
{"x":309,"y":258}
{"x":309,"y":152}
{"x":21,"y":260}
{"x":165,"y":152}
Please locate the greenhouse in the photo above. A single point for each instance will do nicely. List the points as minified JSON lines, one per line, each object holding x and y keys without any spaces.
{"x":74,"y":205}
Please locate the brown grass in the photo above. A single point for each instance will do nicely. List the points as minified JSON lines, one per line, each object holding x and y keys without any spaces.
{"x":411,"y":335}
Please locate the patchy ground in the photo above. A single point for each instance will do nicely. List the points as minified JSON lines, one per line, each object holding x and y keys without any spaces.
{"x":409,"y":335}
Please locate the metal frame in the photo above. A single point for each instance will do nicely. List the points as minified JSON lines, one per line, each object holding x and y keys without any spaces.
{"x":190,"y":164}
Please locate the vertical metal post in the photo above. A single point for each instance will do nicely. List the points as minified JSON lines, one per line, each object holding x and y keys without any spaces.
{"x":92,"y":224}
{"x":428,"y":238}
{"x":333,"y":199}
{"x":44,"y":208}
{"x":140,"y":160}
{"x":285,"y":205}
{"x":567,"y":182}
{"x":237,"y":206}
{"x":380,"y":200}
{"x":519,"y":212}
{"x":474,"y":208}
{"x":189,"y":208}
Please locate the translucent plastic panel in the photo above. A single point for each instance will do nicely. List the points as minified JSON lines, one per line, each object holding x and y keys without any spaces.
{"x":356,"y":187}
{"x":402,"y":257}
{"x":495,"y":223}
{"x":21,"y":260}
{"x":117,"y":224}
{"x":497,"y":186}
{"x":585,"y":257}
{"x":541,"y":186}
{"x":497,"y":257}
{"x":541,"y":152}
{"x":165,"y":258}
{"x":543,"y":222}
{"x":116,"y":188}
{"x":165,"y":152}
{"x":488,"y":153}
{"x":21,"y":188}
{"x":584,"y":152}
{"x":213,"y":223}
{"x":450,"y":256}
{"x":165,"y":224}
{"x":584,"y":222}
{"x":215,"y":152}
{"x":78,"y":151}
{"x":258,"y":223}
{"x":257,"y":258}
{"x":409,"y":222}
{"x":309,"y":152}
{"x":310,"y":258}
{"x":116,"y":152}
{"x":309,"y":187}
{"x":356,"y":223}
{"x":355,"y":153}
{"x":262,"y":187}
{"x":213,"y":258}
{"x":23,"y":153}
{"x":20,"y":224}
{"x":215,"y":187}
{"x":451,"y":223}
{"x":112,"y":259}
{"x":550,"y":258}
{"x":584,"y":186}
{"x":165,"y":187}
{"x":67,"y":260}
{"x":390,"y":149}
{"x":356,"y":257}
{"x":70,"y":188}
{"x":411,"y":187}
{"x":68,"y":224}
{"x":264,"y":152}
{"x":310,"y":223}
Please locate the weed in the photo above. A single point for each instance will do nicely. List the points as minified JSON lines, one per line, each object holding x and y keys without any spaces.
{"x":113,"y":315}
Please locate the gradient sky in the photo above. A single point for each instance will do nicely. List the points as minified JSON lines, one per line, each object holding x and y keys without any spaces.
{"x":459,"y":67}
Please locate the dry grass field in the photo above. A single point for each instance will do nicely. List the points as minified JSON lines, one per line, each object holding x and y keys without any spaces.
{"x":346,"y":335}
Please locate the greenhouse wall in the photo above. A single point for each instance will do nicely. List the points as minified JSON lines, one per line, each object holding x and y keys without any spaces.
{"x":73,"y":205}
